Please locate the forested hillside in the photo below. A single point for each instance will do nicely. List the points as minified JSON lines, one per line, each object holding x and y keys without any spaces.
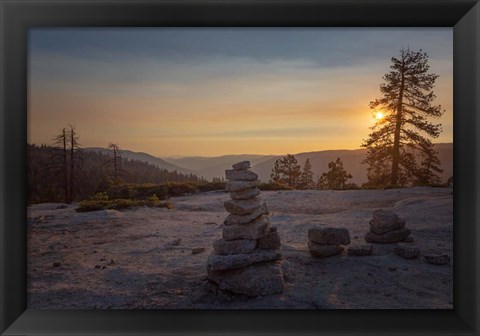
{"x":92,"y":170}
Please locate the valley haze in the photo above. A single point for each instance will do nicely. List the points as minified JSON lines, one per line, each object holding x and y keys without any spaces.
{"x":214,"y":167}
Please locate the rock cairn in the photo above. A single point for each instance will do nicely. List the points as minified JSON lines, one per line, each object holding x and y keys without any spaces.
{"x":386,"y":227}
{"x":327,"y":241}
{"x":247,"y":259}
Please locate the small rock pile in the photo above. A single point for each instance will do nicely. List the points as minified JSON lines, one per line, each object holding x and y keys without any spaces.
{"x":247,"y":259}
{"x":327,"y":241}
{"x":386,"y":227}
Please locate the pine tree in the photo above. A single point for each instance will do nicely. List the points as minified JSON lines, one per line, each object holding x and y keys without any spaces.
{"x":58,"y":161}
{"x":429,"y":168}
{"x":306,"y":179}
{"x":407,"y":101}
{"x":286,"y":171}
{"x":74,"y":150}
{"x":336,"y":177}
{"x":116,"y":159}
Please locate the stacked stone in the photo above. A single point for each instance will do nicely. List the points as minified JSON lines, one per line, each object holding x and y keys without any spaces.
{"x":247,"y":259}
{"x":386,"y":227}
{"x":327,"y":241}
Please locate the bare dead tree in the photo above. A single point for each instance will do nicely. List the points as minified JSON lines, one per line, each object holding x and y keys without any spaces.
{"x":116,"y":158}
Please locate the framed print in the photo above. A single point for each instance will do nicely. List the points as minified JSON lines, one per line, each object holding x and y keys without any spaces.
{"x":216,"y":167}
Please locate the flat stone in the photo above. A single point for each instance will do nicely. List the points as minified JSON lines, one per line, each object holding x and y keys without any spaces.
{"x":322,"y":250}
{"x":217,"y":262}
{"x":409,"y":239}
{"x":240,"y":175}
{"x":253,"y":230}
{"x":239,"y":246}
{"x":241,"y":165}
{"x":271,"y":241}
{"x":406,"y":252}
{"x":241,"y":185}
{"x":243,"y":207}
{"x":329,"y":235}
{"x":441,"y":259}
{"x":245,"y":194}
{"x":197,"y":250}
{"x":389,"y":237}
{"x":360,"y":250}
{"x":254,"y":280}
{"x":245,"y":219}
{"x":385,"y":221}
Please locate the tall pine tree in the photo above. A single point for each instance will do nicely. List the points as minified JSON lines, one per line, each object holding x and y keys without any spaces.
{"x":407,"y":103}
{"x":306,"y":179}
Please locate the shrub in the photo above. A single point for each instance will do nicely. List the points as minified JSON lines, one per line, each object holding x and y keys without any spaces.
{"x":274,"y":186}
{"x":120,"y":203}
{"x":180,"y":189}
{"x":211,"y":186}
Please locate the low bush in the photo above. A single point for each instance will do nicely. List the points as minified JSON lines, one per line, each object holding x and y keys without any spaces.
{"x":101,"y":202}
{"x":211,"y":186}
{"x":273,"y":186}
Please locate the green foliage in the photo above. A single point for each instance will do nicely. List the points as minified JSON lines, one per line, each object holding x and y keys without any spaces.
{"x":335,"y":178}
{"x":286,"y":171}
{"x":273,"y":186}
{"x":216,"y":184}
{"x":101,"y":202}
{"x":181,"y":189}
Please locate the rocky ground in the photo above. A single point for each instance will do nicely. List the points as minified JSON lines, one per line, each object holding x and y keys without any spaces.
{"x":156,"y":257}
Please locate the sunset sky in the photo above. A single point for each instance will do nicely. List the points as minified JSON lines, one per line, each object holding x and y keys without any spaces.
{"x":216,"y":91}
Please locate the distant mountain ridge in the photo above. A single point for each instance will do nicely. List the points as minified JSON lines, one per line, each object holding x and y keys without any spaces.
{"x":144,"y":157}
{"x":210,"y":167}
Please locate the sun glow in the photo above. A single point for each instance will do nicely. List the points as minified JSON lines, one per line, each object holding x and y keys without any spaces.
{"x":379,"y":115}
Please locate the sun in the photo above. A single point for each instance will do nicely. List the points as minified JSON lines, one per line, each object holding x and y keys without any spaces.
{"x":379,"y":115}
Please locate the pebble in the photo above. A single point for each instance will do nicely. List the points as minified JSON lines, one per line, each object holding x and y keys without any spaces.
{"x":442,"y":259}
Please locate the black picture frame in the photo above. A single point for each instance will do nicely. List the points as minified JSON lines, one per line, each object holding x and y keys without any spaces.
{"x":17,"y":17}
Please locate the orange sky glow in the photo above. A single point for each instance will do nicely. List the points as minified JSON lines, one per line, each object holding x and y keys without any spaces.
{"x":215,"y":103}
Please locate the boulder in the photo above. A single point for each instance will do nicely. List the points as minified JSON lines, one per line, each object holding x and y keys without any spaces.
{"x":217,"y":262}
{"x":322,"y":250}
{"x":245,"y":219}
{"x":360,"y":250}
{"x":241,"y":185}
{"x":441,"y":259}
{"x":253,"y":230}
{"x":329,"y":236}
{"x":245,"y":194}
{"x":387,"y":238}
{"x":255,"y":280}
{"x":385,"y":221}
{"x":239,"y":246}
{"x":240,"y":175}
{"x":243,"y":165}
{"x":271,"y":241}
{"x":407,"y":252}
{"x":243,"y":207}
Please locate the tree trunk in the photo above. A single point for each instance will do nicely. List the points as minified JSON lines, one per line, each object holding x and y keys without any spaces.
{"x":72,"y":153}
{"x":396,"y":140}
{"x":115,"y":162}
{"x":65,"y":165}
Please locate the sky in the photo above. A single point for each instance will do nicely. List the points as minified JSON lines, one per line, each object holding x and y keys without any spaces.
{"x":174,"y":92}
